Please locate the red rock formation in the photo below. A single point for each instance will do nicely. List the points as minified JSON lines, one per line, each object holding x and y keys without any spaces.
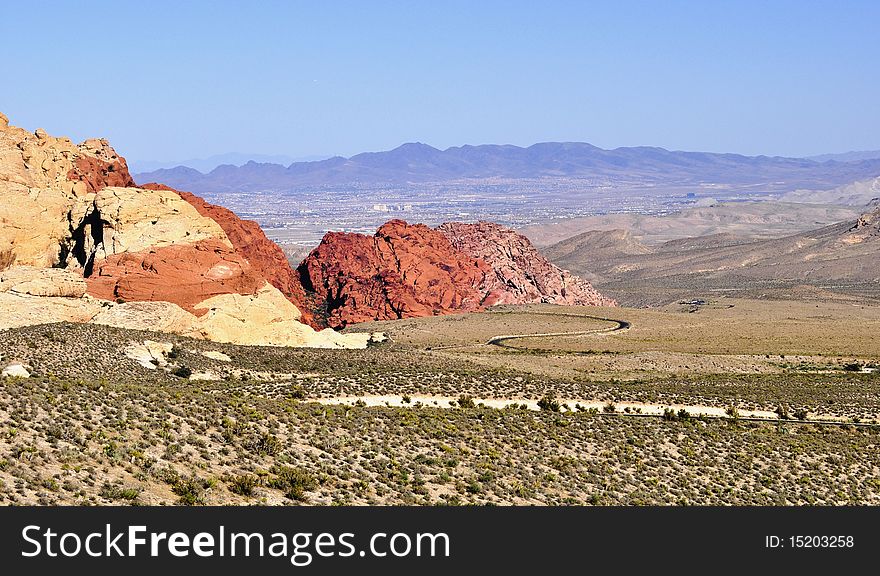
{"x":522,"y":274}
{"x":249,"y":240}
{"x":184,"y":274}
{"x":403,"y":271}
{"x":407,"y":271}
{"x":99,"y":174}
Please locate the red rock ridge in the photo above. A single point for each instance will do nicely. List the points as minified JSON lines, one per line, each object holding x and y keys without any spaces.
{"x":251,"y":242}
{"x":100,"y":169}
{"x":407,"y":271}
{"x":522,"y":274}
{"x":184,"y":274}
{"x":404,"y":271}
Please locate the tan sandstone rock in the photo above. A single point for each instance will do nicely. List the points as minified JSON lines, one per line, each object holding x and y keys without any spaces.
{"x":71,"y":216}
{"x":28,"y":280}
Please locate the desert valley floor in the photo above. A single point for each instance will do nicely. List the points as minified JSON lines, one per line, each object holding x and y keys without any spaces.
{"x":706,"y":401}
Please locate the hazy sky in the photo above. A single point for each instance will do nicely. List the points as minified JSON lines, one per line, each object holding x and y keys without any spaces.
{"x":176,"y":80}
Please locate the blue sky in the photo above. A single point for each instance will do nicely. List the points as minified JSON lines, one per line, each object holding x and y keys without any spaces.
{"x":174,"y":80}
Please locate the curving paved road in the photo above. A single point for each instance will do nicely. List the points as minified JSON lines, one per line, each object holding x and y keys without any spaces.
{"x":619,"y":325}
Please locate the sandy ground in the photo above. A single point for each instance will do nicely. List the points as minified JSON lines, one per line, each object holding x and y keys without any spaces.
{"x":531,"y":404}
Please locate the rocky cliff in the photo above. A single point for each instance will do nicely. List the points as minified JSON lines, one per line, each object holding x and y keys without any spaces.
{"x":250,"y":241}
{"x":408,"y":270}
{"x":403,"y":271}
{"x":79,"y":242}
{"x":521,"y":273}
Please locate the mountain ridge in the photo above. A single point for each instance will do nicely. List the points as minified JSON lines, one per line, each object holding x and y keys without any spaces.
{"x":416,"y":162}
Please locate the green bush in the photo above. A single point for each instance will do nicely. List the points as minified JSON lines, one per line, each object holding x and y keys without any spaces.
{"x":243,"y":485}
{"x":182,"y":371}
{"x":548,"y":404}
{"x":294,"y":482}
{"x":465,"y":401}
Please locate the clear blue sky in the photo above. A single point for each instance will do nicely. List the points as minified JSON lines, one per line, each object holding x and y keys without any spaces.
{"x":176,"y":80}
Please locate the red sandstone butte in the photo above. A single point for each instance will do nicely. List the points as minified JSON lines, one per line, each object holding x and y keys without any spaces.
{"x":522,"y":274}
{"x":407,"y":271}
{"x":403,"y":271}
{"x":184,"y":274}
{"x":251,"y":242}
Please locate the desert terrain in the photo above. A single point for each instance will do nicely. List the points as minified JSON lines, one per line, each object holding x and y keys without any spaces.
{"x":729,"y":402}
{"x":158,"y":349}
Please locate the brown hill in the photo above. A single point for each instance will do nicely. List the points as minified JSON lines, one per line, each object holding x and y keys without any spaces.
{"x":842,"y":255}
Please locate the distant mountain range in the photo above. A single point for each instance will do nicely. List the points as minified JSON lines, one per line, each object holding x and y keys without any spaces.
{"x":207,"y":164}
{"x":420,"y":163}
{"x":847,"y":156}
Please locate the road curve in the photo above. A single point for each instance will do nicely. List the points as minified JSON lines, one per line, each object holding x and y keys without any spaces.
{"x":619,"y":326}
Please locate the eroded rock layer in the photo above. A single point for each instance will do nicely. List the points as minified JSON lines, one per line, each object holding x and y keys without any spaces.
{"x":79,"y":242}
{"x":403,"y":271}
{"x":521,"y":273}
{"x":250,"y":241}
{"x":406,"y":271}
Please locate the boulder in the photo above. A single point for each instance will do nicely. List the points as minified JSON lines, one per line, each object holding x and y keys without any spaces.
{"x":184,"y":274}
{"x":16,"y":370}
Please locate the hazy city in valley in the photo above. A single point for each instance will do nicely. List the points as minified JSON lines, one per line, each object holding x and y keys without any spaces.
{"x":516,"y":256}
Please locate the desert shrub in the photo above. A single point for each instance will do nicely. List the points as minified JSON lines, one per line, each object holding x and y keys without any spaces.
{"x":182,"y":371}
{"x":732,"y":412}
{"x":465,"y":401}
{"x":852,"y":367}
{"x":265,"y":445}
{"x":609,"y":408}
{"x":801,"y":414}
{"x":191,"y":491}
{"x":782,"y":412}
{"x":112,"y":492}
{"x":243,"y":485}
{"x":294,"y":482}
{"x":548,"y":404}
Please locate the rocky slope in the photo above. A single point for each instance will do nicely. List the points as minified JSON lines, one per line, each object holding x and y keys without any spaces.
{"x":78,"y":241}
{"x":411,"y":270}
{"x":843,"y":256}
{"x":250,"y":241}
{"x":403,"y":271}
{"x":521,"y":274}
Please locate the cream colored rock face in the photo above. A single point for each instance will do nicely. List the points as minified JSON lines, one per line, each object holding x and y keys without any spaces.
{"x":46,"y":218}
{"x":27,"y":280}
{"x":36,"y":194}
{"x":266,"y":318}
{"x":41,"y":208}
{"x":137,"y":220}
